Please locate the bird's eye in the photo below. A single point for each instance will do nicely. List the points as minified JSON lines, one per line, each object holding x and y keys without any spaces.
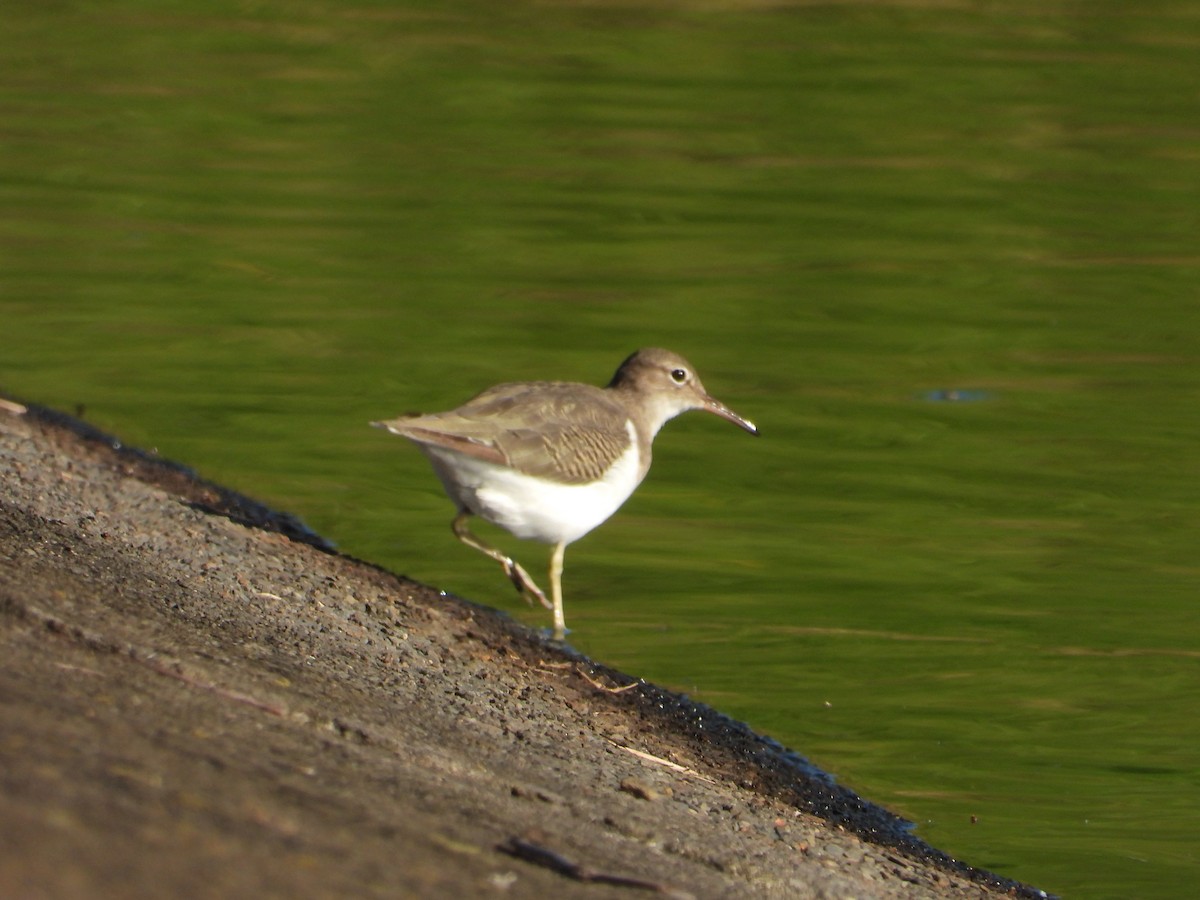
{"x":679,"y":376}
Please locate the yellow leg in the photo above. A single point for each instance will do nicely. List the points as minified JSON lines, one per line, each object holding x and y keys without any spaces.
{"x":556,"y":567}
{"x":513,"y":569}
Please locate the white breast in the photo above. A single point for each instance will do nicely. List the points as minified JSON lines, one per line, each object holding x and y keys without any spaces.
{"x":529,"y":507}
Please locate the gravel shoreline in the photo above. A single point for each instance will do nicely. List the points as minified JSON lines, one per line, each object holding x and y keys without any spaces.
{"x":200,"y":698}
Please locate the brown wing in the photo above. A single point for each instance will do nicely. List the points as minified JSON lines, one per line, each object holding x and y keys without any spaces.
{"x":570,"y":433}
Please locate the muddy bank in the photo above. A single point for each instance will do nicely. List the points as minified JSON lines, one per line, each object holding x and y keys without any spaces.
{"x":199,"y":699}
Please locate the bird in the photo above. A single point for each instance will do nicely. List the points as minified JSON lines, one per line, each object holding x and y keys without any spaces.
{"x":551,"y":460}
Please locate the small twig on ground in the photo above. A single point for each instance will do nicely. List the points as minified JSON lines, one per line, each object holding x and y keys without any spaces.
{"x":603,"y":687}
{"x":540,"y":855}
{"x":659,"y":761}
{"x":236,"y":696}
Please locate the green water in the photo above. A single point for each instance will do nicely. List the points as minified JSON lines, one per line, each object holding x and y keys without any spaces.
{"x":237,"y":231}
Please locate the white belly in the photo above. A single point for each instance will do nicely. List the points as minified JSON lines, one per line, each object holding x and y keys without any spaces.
{"x":529,"y":507}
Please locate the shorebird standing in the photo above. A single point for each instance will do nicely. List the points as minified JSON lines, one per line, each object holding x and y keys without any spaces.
{"x":551,"y":460}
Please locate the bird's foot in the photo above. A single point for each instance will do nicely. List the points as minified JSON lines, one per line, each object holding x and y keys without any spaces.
{"x":524,"y":584}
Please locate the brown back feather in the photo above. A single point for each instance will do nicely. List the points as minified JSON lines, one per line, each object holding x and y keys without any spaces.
{"x":570,"y":433}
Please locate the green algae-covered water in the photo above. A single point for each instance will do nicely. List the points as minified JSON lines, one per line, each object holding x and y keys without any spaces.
{"x":945,"y":255}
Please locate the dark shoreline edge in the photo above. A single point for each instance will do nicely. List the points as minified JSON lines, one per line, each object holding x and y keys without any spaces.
{"x":754,"y":762}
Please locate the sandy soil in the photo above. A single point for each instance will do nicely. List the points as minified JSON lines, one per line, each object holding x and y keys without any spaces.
{"x":198,"y":698}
